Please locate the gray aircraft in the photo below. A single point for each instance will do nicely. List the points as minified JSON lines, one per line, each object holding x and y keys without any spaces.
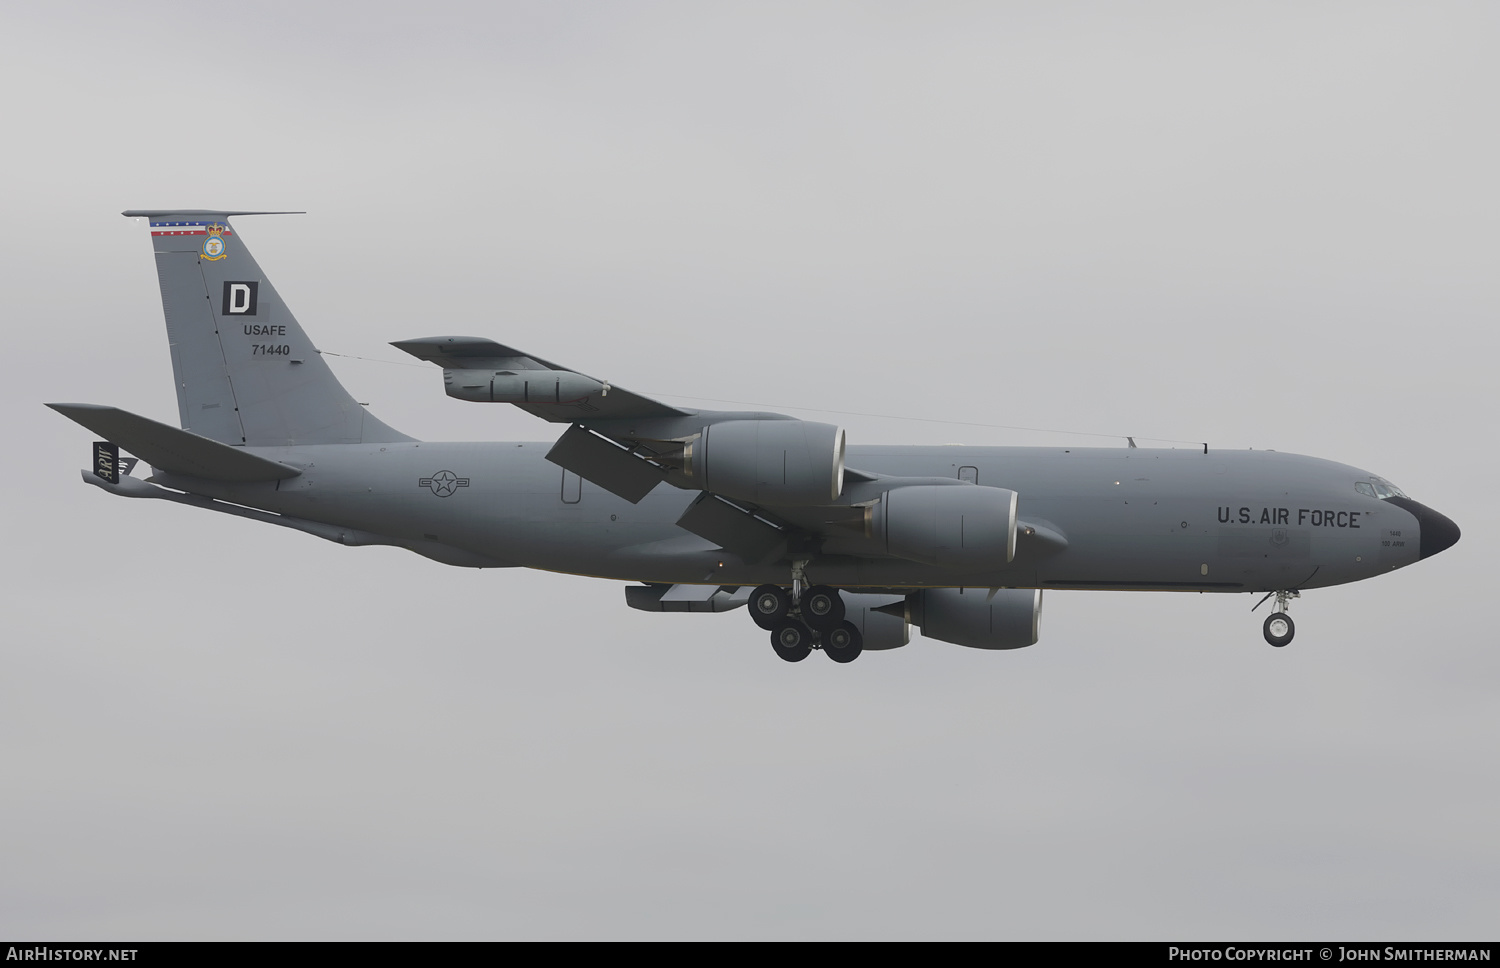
{"x":836,"y":548}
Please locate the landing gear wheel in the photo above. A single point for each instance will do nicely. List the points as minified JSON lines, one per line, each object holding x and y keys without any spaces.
{"x":1279,"y":629}
{"x":822,"y":608}
{"x":792,"y":641}
{"x":843,"y":643}
{"x":769,"y":605}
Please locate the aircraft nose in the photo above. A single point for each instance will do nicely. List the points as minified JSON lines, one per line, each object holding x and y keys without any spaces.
{"x":1438,"y":532}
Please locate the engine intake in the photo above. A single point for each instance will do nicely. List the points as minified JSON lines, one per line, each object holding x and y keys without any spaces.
{"x":951,"y":525}
{"x":772,"y":462}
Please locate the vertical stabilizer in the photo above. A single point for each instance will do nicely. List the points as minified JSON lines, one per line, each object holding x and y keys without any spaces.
{"x":246,"y":373}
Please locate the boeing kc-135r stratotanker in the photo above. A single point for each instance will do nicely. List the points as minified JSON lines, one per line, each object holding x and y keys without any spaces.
{"x":836,"y":548}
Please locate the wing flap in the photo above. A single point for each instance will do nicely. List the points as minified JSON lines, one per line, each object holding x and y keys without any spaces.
{"x":608,"y":465}
{"x":733,"y":529}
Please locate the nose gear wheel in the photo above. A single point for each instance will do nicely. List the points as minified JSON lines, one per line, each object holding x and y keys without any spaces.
{"x":1279,"y":627}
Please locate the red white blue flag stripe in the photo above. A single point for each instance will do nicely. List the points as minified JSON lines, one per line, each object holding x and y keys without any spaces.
{"x":186,"y":228}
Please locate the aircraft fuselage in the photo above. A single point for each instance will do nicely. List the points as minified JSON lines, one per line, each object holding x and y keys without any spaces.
{"x":1132,"y":518}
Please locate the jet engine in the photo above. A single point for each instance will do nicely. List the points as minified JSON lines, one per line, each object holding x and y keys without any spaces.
{"x":872,"y":615}
{"x":772,"y":462}
{"x":949,"y":525}
{"x":971,"y":617}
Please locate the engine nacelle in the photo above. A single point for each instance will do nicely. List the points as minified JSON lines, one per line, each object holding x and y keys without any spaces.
{"x":971,"y":618}
{"x":519,"y":386}
{"x":880,"y":629}
{"x":774,"y":462}
{"x":948,"y":525}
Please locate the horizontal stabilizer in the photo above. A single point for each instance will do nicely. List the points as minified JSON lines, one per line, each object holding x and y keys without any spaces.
{"x":174,"y":451}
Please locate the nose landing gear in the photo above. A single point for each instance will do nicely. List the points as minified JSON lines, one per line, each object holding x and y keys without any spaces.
{"x":1279,"y":627}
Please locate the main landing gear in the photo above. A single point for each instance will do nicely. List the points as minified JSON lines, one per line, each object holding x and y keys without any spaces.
{"x":1279,"y":627}
{"x":802,"y":620}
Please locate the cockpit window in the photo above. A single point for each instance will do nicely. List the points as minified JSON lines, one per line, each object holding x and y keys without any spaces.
{"x":1379,"y":487}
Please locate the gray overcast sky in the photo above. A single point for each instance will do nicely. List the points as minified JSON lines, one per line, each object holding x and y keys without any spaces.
{"x":1261,"y":225}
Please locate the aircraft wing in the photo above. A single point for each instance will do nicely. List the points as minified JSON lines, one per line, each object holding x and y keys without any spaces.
{"x":769,"y":483}
{"x":484,"y":371}
{"x":621,"y":441}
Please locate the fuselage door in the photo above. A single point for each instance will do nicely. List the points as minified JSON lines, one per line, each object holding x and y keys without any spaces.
{"x":572,"y":487}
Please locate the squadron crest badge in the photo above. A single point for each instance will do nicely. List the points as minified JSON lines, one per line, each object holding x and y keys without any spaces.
{"x":213,"y":242}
